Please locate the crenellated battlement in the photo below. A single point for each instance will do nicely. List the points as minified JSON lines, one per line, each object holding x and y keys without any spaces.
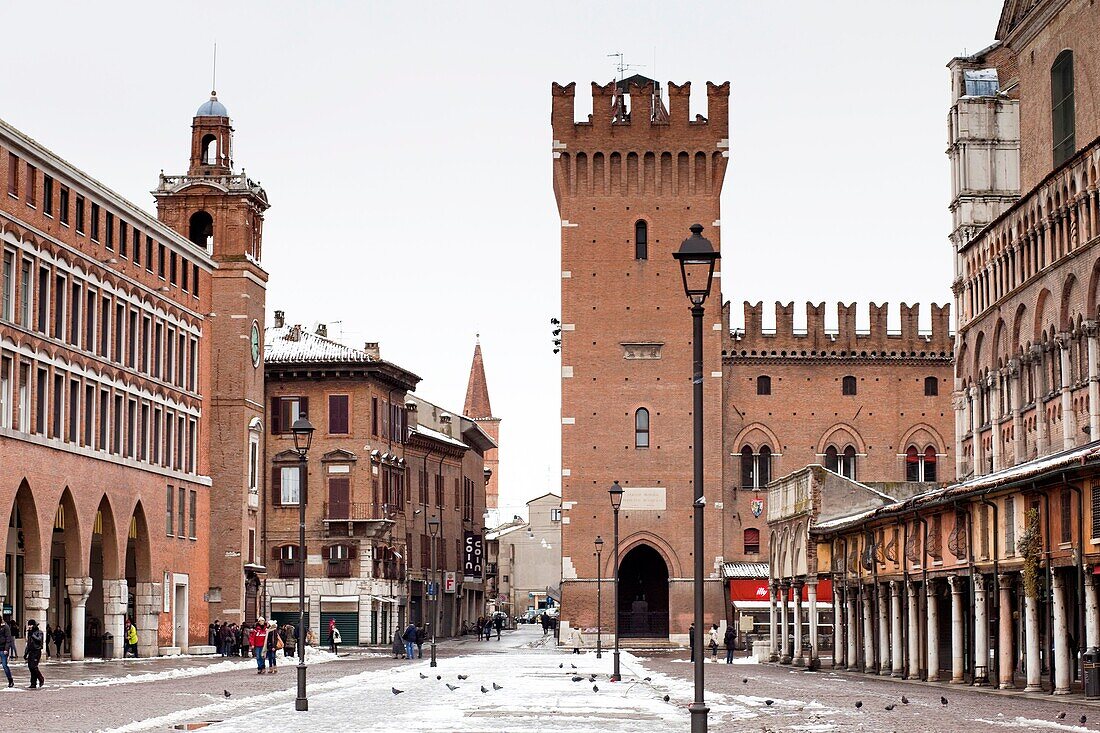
{"x":632,"y":145}
{"x":845,"y":340}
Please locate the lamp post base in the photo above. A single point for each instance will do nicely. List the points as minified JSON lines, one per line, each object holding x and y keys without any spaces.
{"x":698,"y":712}
{"x":433,"y":664}
{"x":301,"y":703}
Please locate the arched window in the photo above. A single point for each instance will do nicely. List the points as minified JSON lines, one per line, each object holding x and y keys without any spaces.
{"x":848,"y":385}
{"x":756,"y":468}
{"x":848,"y":463}
{"x":748,"y":468}
{"x":931,"y":387}
{"x":201,"y":229}
{"x":1062,"y":107}
{"x":641,"y":428}
{"x":209,"y":150}
{"x":929,"y":464}
{"x":763,"y":385}
{"x":752,"y":541}
{"x":764,"y":466}
{"x":832,"y":460}
{"x":641,"y":240}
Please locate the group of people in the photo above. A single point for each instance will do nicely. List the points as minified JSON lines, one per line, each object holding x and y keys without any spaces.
{"x":231,"y":640}
{"x":265,"y":639}
{"x":486,"y":626}
{"x":409,"y":644}
{"x":728,"y":640}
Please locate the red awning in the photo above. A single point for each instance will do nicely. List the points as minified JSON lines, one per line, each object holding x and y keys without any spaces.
{"x":757,"y":590}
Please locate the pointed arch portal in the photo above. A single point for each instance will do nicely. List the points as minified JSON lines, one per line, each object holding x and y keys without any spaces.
{"x":643,"y":594}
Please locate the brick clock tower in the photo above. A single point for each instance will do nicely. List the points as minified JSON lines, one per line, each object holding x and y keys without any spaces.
{"x":629,"y":182}
{"x":223,"y":211}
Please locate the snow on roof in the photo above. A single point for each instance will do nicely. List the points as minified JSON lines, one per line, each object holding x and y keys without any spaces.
{"x":294,"y":344}
{"x":751,"y":570}
{"x":436,"y":435}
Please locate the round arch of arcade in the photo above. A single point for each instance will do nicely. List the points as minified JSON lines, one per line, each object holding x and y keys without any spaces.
{"x":81,"y":561}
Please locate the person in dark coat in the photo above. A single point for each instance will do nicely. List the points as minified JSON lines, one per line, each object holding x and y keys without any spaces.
{"x":290,"y":640}
{"x":58,"y":638}
{"x":398,"y":644}
{"x":36,"y":640}
{"x":6,"y":642}
{"x":691,"y":640}
{"x":729,"y":640}
{"x":420,"y":634}
{"x":499,"y":624}
{"x":409,"y":637}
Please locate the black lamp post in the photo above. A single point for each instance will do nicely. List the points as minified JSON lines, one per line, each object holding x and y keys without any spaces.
{"x":433,"y":530}
{"x":616,"y":493}
{"x":599,"y":599}
{"x":303,"y":436}
{"x":697,"y":258}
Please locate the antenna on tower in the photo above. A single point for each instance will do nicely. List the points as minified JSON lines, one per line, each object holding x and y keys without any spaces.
{"x":214,"y":72}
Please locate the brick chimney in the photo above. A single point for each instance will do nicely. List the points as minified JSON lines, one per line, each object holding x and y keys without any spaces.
{"x":411,"y":408}
{"x":322,"y":330}
{"x":445,"y":421}
{"x":280,"y":319}
{"x":295,"y":333}
{"x":372,"y":349}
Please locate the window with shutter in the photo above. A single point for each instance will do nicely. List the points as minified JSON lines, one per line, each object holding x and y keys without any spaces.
{"x":276,"y":486}
{"x":1010,"y":524}
{"x":338,"y":414}
{"x":1067,"y":515}
{"x":752,"y":541}
{"x":276,"y":416}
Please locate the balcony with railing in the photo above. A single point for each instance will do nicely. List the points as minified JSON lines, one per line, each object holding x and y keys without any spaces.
{"x":340,"y":568}
{"x":288,"y":569}
{"x":356,"y":518}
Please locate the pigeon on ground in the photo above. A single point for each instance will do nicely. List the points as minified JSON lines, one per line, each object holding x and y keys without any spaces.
{"x":423,"y":676}
{"x":769,"y":703}
{"x":451,"y":687}
{"x":595,"y":688}
{"x":1062,"y":715}
{"x":484,"y":688}
{"x":439,"y":676}
{"x":227,"y":693}
{"x":943,"y":700}
{"x":859,"y":704}
{"x":666,"y":698}
{"x":1084,"y":719}
{"x":891,"y":706}
{"x":744,"y":680}
{"x":577,"y":678}
{"x":904,"y":700}
{"x":573,"y":666}
{"x":396,"y":691}
{"x":648,"y":679}
{"x":463,"y":676}
{"x":562,"y":664}
{"x":497,"y":687}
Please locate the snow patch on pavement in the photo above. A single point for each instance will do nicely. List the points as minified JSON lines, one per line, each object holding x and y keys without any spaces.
{"x":314,"y":656}
{"x":1032,"y":723}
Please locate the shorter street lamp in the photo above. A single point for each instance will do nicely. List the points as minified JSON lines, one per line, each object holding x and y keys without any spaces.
{"x":616,"y":494}
{"x":302,"y":430}
{"x":433,"y":530}
{"x":599,"y":599}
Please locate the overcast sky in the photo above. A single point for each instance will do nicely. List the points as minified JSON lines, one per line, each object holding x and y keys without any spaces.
{"x":405,"y":148}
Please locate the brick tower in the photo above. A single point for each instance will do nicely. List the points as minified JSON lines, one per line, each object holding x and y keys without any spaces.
{"x":629,"y":182}
{"x":478,"y":408}
{"x":223,"y":211}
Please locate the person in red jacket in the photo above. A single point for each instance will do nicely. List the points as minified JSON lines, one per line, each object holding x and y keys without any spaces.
{"x":257,"y":639}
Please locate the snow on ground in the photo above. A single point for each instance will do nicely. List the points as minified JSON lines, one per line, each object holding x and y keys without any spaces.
{"x":1033,"y":724}
{"x":313,"y":656}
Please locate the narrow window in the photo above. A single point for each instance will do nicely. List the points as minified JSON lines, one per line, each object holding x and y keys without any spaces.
{"x":641,"y":240}
{"x":193,"y":506}
{"x":929,"y":464}
{"x":170,"y":514}
{"x":182,"y":511}
{"x":109,"y":226}
{"x":832,"y":459}
{"x":848,"y":468}
{"x":931,"y":387}
{"x":1010,"y":523}
{"x":641,"y":428}
{"x":123,"y":238}
{"x":95,"y":222}
{"x":79,"y":214}
{"x":31,"y":191}
{"x":63,"y":205}
{"x":1096,"y":511}
{"x":763,"y":385}
{"x":848,"y":386}
{"x":148,"y":254}
{"x":1062,"y":107}
{"x":47,"y":195}
{"x":748,"y":468}
{"x":752,"y":541}
{"x":13,"y":175}
{"x":1067,"y":516}
{"x":764,"y":466}
{"x":338,"y":414}
{"x":160,"y":261}
{"x":374,"y":416}
{"x":912,"y":464}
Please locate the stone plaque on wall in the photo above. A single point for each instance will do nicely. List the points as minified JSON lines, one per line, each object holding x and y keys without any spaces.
{"x":649,"y":499}
{"x":642,"y":350}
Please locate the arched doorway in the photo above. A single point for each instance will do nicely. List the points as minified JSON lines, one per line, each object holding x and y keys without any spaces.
{"x":69,"y":584}
{"x":107,"y":598}
{"x":643,"y":594}
{"x":143,"y":598}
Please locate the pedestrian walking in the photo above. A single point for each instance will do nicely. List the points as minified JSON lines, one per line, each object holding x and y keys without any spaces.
{"x":498,"y":622}
{"x":576,"y":640}
{"x":240,"y":639}
{"x":398,"y":644}
{"x":58,"y":638}
{"x":336,"y":641}
{"x":212,"y":633}
{"x":6,"y":642}
{"x":409,"y":637}
{"x":713,"y":642}
{"x":36,"y":640}
{"x":49,"y":635}
{"x":730,"y":641}
{"x":420,"y":634}
{"x":331,"y":635}
{"x":130,"y":640}
{"x":258,"y":640}
{"x":290,"y":640}
{"x":691,"y":640}
{"x":273,"y":645}
{"x":544,"y":619}
{"x":480,"y":627}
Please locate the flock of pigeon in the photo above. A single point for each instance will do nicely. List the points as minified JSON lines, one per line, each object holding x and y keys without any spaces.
{"x":452,"y":688}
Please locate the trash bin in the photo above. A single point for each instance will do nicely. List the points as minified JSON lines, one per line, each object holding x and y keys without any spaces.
{"x":1091,"y":663}
{"x":108,"y":644}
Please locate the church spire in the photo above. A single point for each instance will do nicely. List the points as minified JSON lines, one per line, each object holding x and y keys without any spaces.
{"x":477,"y":390}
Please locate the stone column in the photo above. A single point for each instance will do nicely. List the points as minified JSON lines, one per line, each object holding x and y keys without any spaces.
{"x":115,"y":595}
{"x":958,"y":587}
{"x":981,"y":632}
{"x":1006,"y":654}
{"x":1091,"y":329}
{"x":1061,"y":643}
{"x":1034,"y":664}
{"x":976,"y":430}
{"x":148,"y":601}
{"x":840,"y":623}
{"x":851,"y":657}
{"x":773,"y":590}
{"x":1019,"y":437}
{"x":868,"y":632}
{"x":798,"y":658}
{"x":913,"y":668}
{"x":36,"y":599}
{"x":79,"y":589}
{"x":959,"y":405}
{"x":994,"y":386}
{"x":784,"y":637}
{"x":1092,"y":615}
{"x":933,"y":635}
{"x":811,"y":590}
{"x":1069,"y":416}
{"x":883,"y":628}
{"x":1042,"y":440}
{"x":897,"y":666}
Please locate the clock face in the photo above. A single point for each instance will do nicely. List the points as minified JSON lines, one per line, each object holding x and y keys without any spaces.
{"x":255,"y":344}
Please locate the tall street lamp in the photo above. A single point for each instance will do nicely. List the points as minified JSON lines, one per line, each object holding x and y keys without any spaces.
{"x":599,"y":599}
{"x":697,"y":258}
{"x":433,"y":530}
{"x":303,"y":436}
{"x":616,"y":493}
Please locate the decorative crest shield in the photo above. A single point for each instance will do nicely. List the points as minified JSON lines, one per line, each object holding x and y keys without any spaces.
{"x":757,"y":507}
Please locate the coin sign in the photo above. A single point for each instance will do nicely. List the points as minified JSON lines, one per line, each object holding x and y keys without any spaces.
{"x":472,"y":552}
